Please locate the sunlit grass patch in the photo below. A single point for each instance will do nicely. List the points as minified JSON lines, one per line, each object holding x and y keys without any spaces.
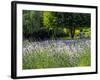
{"x":85,"y":59}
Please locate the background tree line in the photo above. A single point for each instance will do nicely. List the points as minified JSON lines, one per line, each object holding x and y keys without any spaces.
{"x":53,"y":25}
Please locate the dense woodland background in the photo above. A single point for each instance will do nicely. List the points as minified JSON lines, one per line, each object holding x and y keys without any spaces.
{"x":42,"y":25}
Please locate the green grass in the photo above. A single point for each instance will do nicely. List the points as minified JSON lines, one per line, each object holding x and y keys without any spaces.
{"x":85,"y":58}
{"x":43,"y":60}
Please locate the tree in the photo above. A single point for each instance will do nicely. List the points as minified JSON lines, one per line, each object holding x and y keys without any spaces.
{"x":66,"y":20}
{"x":76,"y":20}
{"x":31,"y":22}
{"x":49,"y":21}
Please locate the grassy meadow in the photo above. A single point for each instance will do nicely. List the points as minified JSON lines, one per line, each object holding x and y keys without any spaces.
{"x":51,"y":54}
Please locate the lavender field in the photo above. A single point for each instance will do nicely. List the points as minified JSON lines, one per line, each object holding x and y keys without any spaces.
{"x":56,"y":53}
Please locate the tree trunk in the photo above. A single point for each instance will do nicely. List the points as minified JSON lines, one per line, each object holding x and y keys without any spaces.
{"x":72,"y":32}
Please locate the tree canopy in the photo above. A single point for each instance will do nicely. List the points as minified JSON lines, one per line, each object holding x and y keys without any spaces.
{"x":34,"y":21}
{"x":66,"y":20}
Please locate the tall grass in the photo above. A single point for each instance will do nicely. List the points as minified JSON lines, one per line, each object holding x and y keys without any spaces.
{"x":85,"y":58}
{"x":54,"y":55}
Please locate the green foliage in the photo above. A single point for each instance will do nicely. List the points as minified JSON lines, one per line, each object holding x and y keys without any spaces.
{"x":36,"y":21}
{"x":63,"y":19}
{"x":31,"y":21}
{"x":77,"y":19}
{"x":66,"y":20}
{"x":52,"y":19}
{"x":47,"y":18}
